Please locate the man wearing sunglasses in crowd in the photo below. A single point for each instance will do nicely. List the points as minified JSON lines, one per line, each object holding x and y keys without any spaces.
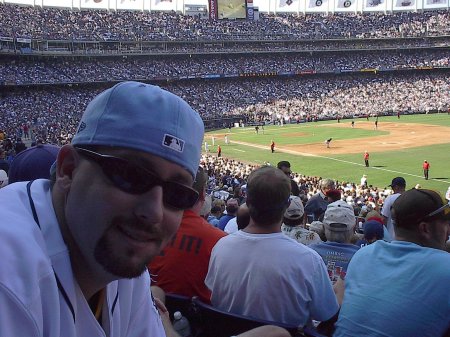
{"x":401,"y":288}
{"x":75,"y":249}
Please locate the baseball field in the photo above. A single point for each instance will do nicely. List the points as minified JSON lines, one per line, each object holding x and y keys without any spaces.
{"x":397,"y":147}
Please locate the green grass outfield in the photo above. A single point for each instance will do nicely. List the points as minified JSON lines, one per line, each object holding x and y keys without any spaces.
{"x":345,"y":167}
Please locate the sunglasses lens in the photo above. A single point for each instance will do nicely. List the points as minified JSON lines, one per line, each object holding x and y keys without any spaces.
{"x":133,"y":179}
{"x":179,"y":196}
{"x":128,"y":178}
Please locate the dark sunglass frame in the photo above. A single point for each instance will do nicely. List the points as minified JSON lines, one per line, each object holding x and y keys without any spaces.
{"x":439,"y":210}
{"x":134,"y":179}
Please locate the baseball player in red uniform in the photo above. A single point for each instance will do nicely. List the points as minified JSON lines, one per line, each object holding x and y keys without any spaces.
{"x":366,"y":158}
{"x":426,"y":168}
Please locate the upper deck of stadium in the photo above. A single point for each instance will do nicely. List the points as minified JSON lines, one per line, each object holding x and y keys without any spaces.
{"x":95,"y":24}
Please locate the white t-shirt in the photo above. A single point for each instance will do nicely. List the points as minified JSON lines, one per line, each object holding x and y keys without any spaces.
{"x":363,"y":181}
{"x":270,"y":277}
{"x":386,"y":211}
{"x":231,"y":226}
{"x":34,"y":260}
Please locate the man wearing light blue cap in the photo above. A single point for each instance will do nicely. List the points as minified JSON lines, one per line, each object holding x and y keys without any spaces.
{"x":75,"y":249}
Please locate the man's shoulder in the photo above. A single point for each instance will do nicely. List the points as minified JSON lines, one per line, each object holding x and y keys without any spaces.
{"x":211,"y":231}
{"x":16,"y":215}
{"x":195,"y":224}
{"x":436,"y":257}
{"x":346,"y":249}
{"x":314,"y":199}
{"x":228,"y":241}
{"x":21,"y":236}
{"x":315,"y":196}
{"x":431,"y":261}
{"x":371,"y":249}
{"x":315,"y":246}
{"x":225,"y":218}
{"x":386,"y":210}
{"x":391,"y":198}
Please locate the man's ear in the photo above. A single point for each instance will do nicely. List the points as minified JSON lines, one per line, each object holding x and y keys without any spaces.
{"x":67,"y":161}
{"x":424,"y":229}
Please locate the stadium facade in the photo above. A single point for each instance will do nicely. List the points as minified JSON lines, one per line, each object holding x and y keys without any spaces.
{"x":271,"y":6}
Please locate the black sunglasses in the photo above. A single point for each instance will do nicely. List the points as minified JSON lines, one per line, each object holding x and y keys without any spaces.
{"x":135,"y":179}
{"x":439,"y":210}
{"x":443,"y":208}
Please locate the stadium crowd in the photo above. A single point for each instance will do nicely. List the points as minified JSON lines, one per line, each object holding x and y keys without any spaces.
{"x":101,"y":25}
{"x":342,"y":223}
{"x":21,"y":71}
{"x":226,"y":174}
{"x":53,"y":113}
{"x":358,"y":208}
{"x":336,"y":219}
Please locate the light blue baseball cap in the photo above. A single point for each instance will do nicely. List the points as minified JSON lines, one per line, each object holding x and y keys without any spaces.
{"x":147,"y":118}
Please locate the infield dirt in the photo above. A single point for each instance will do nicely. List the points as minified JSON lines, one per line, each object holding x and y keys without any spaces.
{"x":401,"y":136}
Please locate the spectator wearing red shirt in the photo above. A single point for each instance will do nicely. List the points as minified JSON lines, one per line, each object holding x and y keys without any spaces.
{"x":426,"y":168}
{"x":182,"y":266}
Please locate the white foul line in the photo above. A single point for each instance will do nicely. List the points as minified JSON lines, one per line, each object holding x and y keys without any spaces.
{"x":336,"y":159}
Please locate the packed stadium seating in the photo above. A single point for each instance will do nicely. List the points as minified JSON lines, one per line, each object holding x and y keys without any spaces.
{"x":28,"y":70}
{"x":283,"y":68}
{"x":65,"y":24}
{"x":48,"y":91}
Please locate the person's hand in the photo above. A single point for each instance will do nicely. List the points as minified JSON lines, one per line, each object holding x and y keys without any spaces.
{"x":165,"y":318}
{"x":163,"y":312}
{"x":339,"y":289}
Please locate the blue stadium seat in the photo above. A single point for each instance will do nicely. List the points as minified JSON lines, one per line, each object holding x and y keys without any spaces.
{"x":217,"y":323}
{"x":180,"y":303}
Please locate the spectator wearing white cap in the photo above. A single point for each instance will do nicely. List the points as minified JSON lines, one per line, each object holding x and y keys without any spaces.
{"x":339,"y":223}
{"x":293,"y":223}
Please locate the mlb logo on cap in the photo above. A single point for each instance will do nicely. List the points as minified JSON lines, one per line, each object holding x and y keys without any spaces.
{"x":146,"y":118}
{"x":173,"y":143}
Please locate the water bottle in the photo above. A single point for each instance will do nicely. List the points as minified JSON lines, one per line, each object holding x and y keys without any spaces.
{"x":181,"y":325}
